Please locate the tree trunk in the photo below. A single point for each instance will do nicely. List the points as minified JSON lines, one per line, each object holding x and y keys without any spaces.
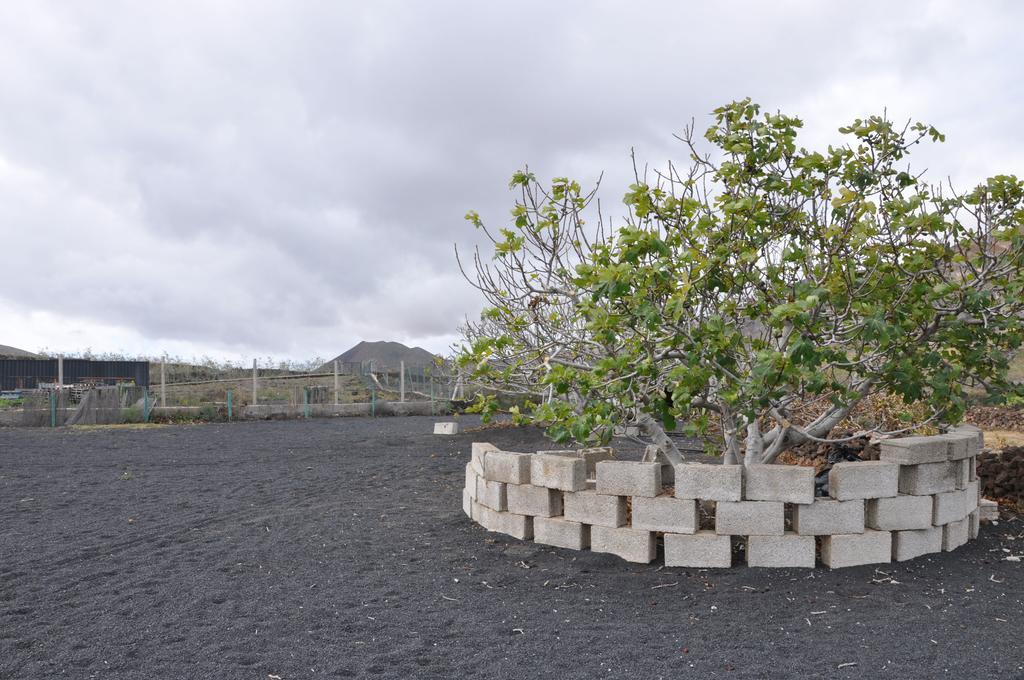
{"x":654,"y":430}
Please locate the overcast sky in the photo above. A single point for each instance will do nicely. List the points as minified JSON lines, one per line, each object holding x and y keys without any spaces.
{"x":250,"y":178}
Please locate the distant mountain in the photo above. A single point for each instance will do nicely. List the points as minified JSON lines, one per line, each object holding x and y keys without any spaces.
{"x":7,"y":352}
{"x":382,"y":354}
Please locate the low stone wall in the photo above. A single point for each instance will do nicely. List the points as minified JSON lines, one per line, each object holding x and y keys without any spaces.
{"x":920,"y":497}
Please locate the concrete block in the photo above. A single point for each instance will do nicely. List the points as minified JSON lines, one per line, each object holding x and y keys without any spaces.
{"x":828,"y":516}
{"x":901,"y":513}
{"x":786,"y":483}
{"x":973,"y":494}
{"x":961,"y":445}
{"x":850,"y":550}
{"x":788,"y":550}
{"x":906,"y":545}
{"x":988,"y":511}
{"x":527,"y":499}
{"x":702,"y":550}
{"x":962,"y":473}
{"x":594,"y":455}
{"x":467,"y":503}
{"x":446,"y":428}
{"x":951,"y":506}
{"x":955,"y":534}
{"x":590,"y":507}
{"x":972,"y":469}
{"x":632,"y":545}
{"x":491,"y":494}
{"x":665,"y":513}
{"x":561,"y":533}
{"x":974,"y":445}
{"x":709,"y":482}
{"x":914,"y":450}
{"x":508,"y":467}
{"x":628,"y":478}
{"x":975,"y":524}
{"x":929,"y":478}
{"x":477,"y":453}
{"x":558,"y":472}
{"x":865,"y":479}
{"x":749,"y":518}
{"x":471,"y":482}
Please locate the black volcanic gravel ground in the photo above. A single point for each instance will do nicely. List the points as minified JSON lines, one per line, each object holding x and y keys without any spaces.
{"x":338,"y":548}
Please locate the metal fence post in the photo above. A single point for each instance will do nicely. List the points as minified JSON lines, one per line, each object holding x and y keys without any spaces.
{"x":230,"y":405}
{"x":53,"y":409}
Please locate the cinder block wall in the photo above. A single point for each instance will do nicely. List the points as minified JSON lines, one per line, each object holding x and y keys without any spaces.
{"x":920,"y":497}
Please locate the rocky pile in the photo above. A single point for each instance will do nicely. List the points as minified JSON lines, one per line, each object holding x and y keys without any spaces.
{"x":996,"y":417}
{"x":1002,"y":476}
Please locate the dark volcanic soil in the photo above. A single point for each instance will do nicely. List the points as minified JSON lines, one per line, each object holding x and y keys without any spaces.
{"x":338,"y":548}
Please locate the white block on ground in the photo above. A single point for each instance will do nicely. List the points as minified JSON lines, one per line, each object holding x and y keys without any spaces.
{"x":829,"y":516}
{"x":749,"y":518}
{"x":702,"y":550}
{"x":906,"y":545}
{"x":955,"y":534}
{"x":665,"y":513}
{"x":632,"y":545}
{"x":561,"y":533}
{"x":628,"y":478}
{"x":491,"y":494}
{"x":471,"y":483}
{"x":590,"y":507}
{"x":850,"y":550}
{"x":914,"y":450}
{"x":900,"y":513}
{"x":507,"y":466}
{"x":864,"y":479}
{"x":446,"y":428}
{"x":788,"y":550}
{"x":988,"y":510}
{"x":929,"y":478}
{"x":527,"y":499}
{"x":786,"y":483}
{"x":709,"y":482}
{"x":974,"y":524}
{"x":467,"y":503}
{"x":558,"y":472}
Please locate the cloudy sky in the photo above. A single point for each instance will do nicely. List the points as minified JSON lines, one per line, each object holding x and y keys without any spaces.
{"x":287,"y":178}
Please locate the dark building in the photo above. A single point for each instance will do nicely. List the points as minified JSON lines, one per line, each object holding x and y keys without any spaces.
{"x":27,"y":374}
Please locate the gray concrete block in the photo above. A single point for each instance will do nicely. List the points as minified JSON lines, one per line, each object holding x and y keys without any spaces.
{"x":665,"y":513}
{"x":702,"y":550}
{"x":975,"y":524}
{"x":988,"y":510}
{"x":961,"y":445}
{"x":471,"y":482}
{"x":972,"y":469}
{"x":517,"y":526}
{"x":962,"y":473}
{"x":974,"y":445}
{"x":788,"y":550}
{"x":561,"y":533}
{"x":929,"y":478}
{"x":558,"y":472}
{"x":528,"y":499}
{"x":590,"y":507}
{"x":955,"y":534}
{"x":786,"y":483}
{"x":951,"y":506}
{"x":507,"y":466}
{"x":491,"y":494}
{"x":865,"y":479}
{"x":901,"y":513}
{"x":594,"y":455}
{"x":467,"y":503}
{"x":628,"y":478}
{"x":709,"y":482}
{"x":850,"y":550}
{"x":829,"y":516}
{"x":914,"y":450}
{"x":477,"y":453}
{"x":906,"y":545}
{"x":749,"y":518}
{"x":632,"y":545}
{"x":446,"y":428}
